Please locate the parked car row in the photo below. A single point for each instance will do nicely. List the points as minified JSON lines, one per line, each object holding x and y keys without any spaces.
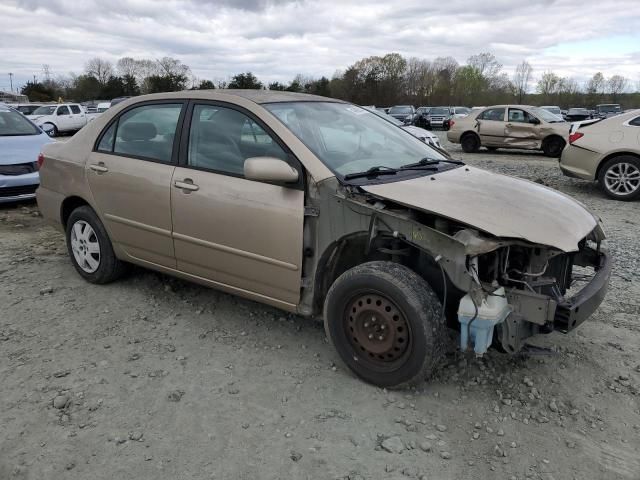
{"x":21,"y":142}
{"x":606,"y":150}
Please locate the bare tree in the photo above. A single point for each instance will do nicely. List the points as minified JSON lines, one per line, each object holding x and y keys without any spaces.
{"x":596,"y":85}
{"x":617,"y":85}
{"x":172,"y":66}
{"x":521,"y":79}
{"x":100,"y":69}
{"x":486,"y":63}
{"x":128,"y":66}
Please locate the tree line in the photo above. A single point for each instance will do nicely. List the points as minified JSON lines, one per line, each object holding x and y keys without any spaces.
{"x":385,"y":80}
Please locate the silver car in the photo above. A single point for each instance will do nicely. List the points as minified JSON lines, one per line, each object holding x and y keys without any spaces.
{"x":20,"y":144}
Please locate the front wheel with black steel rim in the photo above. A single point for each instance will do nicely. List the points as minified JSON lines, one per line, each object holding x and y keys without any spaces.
{"x":90,"y":249}
{"x":470,"y":143}
{"x":553,"y":146}
{"x":386,"y":323}
{"x":620,"y":177}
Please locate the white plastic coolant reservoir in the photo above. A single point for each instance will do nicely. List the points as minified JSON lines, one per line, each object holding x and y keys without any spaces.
{"x":478,"y":328}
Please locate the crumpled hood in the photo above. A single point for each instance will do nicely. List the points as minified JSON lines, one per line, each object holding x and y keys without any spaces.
{"x":503,"y":206}
{"x":22,"y":148}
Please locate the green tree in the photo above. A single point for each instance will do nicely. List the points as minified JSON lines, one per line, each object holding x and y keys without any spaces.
{"x":38,"y":92}
{"x":277,"y":86}
{"x":205,"y":85}
{"x":166,"y":83}
{"x":245,"y":80}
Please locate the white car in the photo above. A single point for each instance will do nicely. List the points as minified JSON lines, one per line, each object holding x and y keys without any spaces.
{"x":422,"y":134}
{"x":63,"y":117}
{"x":103,"y":107}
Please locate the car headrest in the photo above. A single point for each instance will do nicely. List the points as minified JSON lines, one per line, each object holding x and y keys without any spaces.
{"x":135,"y":131}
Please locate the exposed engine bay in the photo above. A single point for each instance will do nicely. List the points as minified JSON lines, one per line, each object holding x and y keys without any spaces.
{"x":496,"y":291}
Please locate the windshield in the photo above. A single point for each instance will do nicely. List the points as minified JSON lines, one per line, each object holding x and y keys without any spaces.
{"x":608,"y":108}
{"x":578,"y":111}
{"x":439,"y":111}
{"x":14,"y":123}
{"x":546,"y":115}
{"x":400,"y":110}
{"x":350,"y":139}
{"x":45,"y":110}
{"x":462,"y":110}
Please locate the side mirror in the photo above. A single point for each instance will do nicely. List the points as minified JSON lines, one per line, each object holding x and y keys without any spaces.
{"x":47,"y":128}
{"x":535,"y":121}
{"x":269,"y":169}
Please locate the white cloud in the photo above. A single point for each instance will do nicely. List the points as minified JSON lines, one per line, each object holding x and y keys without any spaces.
{"x":277,"y":39}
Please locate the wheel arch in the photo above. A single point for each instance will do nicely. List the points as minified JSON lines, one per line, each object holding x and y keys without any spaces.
{"x":611,"y":156}
{"x":350,"y":251}
{"x":68,"y":205}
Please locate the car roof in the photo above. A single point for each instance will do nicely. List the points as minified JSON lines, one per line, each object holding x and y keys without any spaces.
{"x":256,"y":96}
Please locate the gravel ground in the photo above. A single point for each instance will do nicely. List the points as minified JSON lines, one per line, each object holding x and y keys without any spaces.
{"x":156,"y":378}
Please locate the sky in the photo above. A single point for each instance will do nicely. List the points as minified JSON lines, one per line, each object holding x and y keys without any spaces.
{"x":277,"y":39}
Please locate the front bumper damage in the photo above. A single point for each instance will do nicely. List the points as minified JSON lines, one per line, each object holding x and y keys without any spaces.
{"x":571,"y":312}
{"x":534,"y":313}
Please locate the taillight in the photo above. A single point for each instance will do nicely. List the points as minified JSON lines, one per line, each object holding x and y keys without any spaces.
{"x":451,"y":123}
{"x":575,"y":136}
{"x":40,"y":160}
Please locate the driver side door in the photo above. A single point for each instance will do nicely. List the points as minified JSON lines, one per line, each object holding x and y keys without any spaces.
{"x":522,"y":129}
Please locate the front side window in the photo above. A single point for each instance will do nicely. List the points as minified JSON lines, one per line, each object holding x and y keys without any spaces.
{"x":349,"y":139}
{"x":63,"y":110}
{"x":147,"y":131}
{"x":517,"y":115}
{"x":221,"y":139}
{"x":13,"y":123}
{"x":495,"y":114}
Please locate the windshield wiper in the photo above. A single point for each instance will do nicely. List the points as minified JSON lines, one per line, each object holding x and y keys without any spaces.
{"x":372,"y":172}
{"x":426,"y":161}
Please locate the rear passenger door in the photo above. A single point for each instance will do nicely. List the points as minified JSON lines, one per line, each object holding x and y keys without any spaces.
{"x":490,"y":125}
{"x":64,"y":119}
{"x":242,"y":235}
{"x":129,"y":173}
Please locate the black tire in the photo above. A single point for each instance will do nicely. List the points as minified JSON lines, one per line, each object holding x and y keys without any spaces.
{"x":109,"y":268}
{"x":415,"y":335}
{"x":615,"y":166}
{"x":470,"y":143}
{"x":553,"y":146}
{"x":54,"y":131}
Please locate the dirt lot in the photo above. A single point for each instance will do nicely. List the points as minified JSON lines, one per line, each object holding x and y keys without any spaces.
{"x":155,"y":378}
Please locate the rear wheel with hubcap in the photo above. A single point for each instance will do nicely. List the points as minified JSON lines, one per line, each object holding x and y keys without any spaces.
{"x":90,"y":249}
{"x":386,"y":323}
{"x":620,"y":177}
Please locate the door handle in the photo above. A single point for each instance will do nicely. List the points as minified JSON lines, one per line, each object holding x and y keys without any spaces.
{"x":99,"y":167}
{"x":186,"y":185}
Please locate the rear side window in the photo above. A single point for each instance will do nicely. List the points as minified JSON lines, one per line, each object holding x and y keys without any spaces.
{"x":496,"y":114}
{"x":146,"y":132}
{"x":635,"y":122}
{"x":75,"y":109}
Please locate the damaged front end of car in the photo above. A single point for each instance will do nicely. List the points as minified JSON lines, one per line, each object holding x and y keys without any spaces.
{"x":495,"y":290}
